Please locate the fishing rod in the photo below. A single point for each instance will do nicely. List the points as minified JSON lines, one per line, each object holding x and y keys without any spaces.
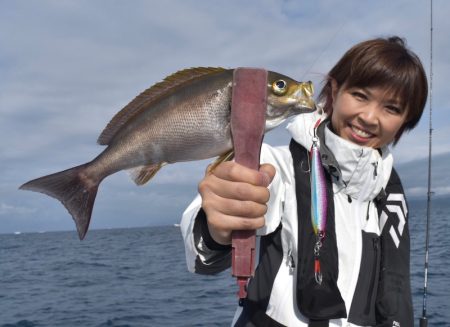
{"x":424,"y":319}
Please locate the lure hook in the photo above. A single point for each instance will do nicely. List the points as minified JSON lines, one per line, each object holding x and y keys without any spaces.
{"x":303,"y":169}
{"x":318,"y":277}
{"x":317,"y":247}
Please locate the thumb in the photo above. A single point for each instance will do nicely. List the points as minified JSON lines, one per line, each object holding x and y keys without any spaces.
{"x":268,"y":173}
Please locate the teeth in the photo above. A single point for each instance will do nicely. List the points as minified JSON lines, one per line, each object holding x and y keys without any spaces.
{"x":360,"y":132}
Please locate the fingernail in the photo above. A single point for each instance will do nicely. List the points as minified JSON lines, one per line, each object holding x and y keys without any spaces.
{"x":265,"y":179}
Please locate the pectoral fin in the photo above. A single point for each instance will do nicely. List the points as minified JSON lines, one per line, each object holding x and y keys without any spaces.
{"x":143,"y":174}
{"x":227,"y":156}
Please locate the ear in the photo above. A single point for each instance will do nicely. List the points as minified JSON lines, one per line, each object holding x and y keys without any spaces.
{"x":334,"y":89}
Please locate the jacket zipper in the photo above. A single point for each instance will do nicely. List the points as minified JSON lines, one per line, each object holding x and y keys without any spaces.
{"x":372,"y":276}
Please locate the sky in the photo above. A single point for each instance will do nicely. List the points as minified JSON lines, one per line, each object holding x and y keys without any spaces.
{"x":66,"y":67}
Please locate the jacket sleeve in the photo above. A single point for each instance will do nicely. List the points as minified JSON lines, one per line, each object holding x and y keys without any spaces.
{"x":394,"y":301}
{"x":203,"y":254}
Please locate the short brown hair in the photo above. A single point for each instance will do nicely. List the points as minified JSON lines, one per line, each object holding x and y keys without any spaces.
{"x":382,"y":62}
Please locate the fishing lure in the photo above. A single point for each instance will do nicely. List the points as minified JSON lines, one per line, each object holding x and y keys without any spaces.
{"x":319,"y":203}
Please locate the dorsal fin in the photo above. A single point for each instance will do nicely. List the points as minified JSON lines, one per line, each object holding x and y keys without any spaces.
{"x":143,"y":100}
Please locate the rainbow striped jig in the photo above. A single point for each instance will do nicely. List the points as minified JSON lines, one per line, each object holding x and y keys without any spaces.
{"x":319,"y":203}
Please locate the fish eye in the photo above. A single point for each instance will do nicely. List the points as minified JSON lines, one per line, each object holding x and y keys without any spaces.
{"x":279,"y":87}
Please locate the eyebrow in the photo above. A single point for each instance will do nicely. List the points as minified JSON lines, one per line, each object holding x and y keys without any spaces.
{"x":391,"y":99}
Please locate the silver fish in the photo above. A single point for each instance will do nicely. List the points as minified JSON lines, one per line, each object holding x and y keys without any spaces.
{"x":185,"y":117}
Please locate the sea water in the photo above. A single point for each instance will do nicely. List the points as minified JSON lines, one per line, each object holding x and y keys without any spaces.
{"x":138,"y":277}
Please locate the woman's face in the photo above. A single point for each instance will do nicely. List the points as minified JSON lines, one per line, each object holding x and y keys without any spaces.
{"x":367,"y":116}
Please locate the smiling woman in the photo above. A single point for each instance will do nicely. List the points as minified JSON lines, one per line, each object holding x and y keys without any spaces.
{"x":333,"y":189}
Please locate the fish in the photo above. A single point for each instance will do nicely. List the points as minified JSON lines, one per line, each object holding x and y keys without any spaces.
{"x":185,"y":117}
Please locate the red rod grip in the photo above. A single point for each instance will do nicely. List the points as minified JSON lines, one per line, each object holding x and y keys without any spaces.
{"x":248,"y":116}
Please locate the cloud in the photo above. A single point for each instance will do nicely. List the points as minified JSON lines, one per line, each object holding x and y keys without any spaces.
{"x":6,"y":209}
{"x":69,"y":66}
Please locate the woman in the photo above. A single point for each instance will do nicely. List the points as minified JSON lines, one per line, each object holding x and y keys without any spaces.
{"x":359,"y":273}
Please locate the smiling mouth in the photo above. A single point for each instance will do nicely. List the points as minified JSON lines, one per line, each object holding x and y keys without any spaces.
{"x":361,"y":133}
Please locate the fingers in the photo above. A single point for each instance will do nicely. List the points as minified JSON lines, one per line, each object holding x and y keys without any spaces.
{"x":233,"y":181}
{"x":235,"y":172}
{"x":234,"y":198}
{"x":233,"y":190}
{"x":221,"y":227}
{"x":230,"y":223}
{"x":232,"y":207}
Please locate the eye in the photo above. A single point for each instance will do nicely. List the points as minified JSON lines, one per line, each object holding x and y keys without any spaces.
{"x":394,"y":110}
{"x":279,"y":87}
{"x":359,"y":95}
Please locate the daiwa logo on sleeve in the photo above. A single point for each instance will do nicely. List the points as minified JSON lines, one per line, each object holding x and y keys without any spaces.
{"x":396,"y":206}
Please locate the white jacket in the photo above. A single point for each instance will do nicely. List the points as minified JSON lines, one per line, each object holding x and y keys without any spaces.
{"x":364,"y":173}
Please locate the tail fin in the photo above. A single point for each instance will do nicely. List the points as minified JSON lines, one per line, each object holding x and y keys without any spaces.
{"x":73,"y":189}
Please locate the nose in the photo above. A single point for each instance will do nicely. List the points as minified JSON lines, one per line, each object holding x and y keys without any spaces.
{"x":369,"y":116}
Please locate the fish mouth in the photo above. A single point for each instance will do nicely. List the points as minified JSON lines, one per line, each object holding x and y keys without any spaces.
{"x":306,"y":105}
{"x":304,"y":97}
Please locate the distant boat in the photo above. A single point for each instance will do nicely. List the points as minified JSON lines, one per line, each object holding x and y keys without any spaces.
{"x":176,"y":225}
{"x":17,"y":233}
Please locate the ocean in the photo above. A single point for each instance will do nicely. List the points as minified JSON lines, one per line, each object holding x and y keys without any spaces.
{"x":138,"y":277}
